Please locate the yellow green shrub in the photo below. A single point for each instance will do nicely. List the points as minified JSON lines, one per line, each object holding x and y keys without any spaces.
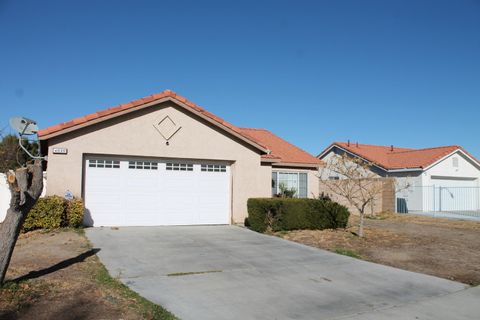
{"x":54,"y":212}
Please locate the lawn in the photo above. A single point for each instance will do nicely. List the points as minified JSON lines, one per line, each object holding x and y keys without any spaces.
{"x":56,"y":275}
{"x":444,"y":248}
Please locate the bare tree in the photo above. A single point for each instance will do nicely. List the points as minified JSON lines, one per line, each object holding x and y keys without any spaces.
{"x":351,"y":179}
{"x":26,"y":186}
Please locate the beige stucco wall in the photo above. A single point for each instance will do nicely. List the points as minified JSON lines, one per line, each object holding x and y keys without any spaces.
{"x":134,"y":134}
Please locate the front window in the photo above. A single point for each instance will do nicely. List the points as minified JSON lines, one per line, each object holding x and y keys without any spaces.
{"x":294,"y":183}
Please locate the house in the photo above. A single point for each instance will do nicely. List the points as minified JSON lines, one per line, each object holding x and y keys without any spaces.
{"x":163,"y":160}
{"x":432,"y":179}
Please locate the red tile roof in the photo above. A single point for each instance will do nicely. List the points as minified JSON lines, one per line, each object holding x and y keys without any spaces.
{"x":132,"y":105}
{"x":398,"y":158}
{"x":280,"y":149}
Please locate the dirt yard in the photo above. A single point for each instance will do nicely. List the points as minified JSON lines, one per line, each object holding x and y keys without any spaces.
{"x":56,"y":275}
{"x":445,"y":248}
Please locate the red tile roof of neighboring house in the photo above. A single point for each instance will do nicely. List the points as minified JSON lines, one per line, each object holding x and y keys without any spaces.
{"x":398,"y":158}
{"x":280,"y":149}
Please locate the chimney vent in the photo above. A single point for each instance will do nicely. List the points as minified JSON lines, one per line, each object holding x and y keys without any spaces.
{"x":348,"y":143}
{"x":357,"y":144}
{"x":391,"y":147}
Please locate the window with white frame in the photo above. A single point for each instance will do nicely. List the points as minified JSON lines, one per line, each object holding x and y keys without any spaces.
{"x":145,"y":165}
{"x":296,"y":181}
{"x":109,"y":164}
{"x":171,"y":166}
{"x":213,"y":168}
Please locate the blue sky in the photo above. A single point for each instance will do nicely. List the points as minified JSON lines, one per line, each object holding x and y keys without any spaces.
{"x":405,"y":73}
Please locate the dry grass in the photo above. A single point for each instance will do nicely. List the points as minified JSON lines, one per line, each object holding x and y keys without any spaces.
{"x":56,"y":275}
{"x":440,"y":247}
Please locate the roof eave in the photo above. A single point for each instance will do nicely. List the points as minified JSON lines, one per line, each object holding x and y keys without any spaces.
{"x":405,"y":170}
{"x":297,"y":165}
{"x":326,"y":150}
{"x":451,"y":153}
{"x":270,"y":160}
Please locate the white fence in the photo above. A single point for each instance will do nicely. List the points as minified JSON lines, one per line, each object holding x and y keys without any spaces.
{"x":463,"y":201}
{"x":5,"y":194}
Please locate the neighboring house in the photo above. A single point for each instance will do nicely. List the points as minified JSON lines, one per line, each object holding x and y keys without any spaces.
{"x":163,"y":160}
{"x":439,"y":179}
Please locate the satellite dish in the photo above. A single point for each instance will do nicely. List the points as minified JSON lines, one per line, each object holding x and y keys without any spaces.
{"x":24,"y":126}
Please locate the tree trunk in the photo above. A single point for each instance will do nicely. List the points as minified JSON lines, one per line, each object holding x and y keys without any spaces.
{"x":360,"y":225}
{"x":26,"y":185}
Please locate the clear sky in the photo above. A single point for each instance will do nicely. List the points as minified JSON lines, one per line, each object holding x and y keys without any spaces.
{"x":401,"y":72}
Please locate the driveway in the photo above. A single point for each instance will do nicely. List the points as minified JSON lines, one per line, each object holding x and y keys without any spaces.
{"x":228,"y":272}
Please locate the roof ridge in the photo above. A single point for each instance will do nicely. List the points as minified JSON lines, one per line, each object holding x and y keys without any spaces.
{"x":425,"y":149}
{"x":371,"y":145}
{"x":256,"y":129}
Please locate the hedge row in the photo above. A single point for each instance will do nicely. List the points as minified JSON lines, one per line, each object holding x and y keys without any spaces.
{"x":277,"y":214}
{"x":55,"y":212}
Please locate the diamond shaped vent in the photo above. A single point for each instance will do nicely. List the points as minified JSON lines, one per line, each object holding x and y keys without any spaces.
{"x":166,"y":127}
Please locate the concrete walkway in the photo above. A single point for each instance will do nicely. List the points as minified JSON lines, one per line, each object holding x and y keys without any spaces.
{"x":227,"y":272}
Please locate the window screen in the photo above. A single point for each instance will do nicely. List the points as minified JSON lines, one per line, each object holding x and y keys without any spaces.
{"x":455,"y":162}
{"x":302,"y":185}
{"x":274,"y":184}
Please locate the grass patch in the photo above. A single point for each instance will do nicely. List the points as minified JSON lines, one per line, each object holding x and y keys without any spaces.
{"x":80,"y":231}
{"x":14,"y":296}
{"x":148,"y":309}
{"x":348,"y":253}
{"x":179,"y":274}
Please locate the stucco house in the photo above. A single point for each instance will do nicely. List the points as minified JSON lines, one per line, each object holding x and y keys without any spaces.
{"x":163,"y":160}
{"x":438,"y":179}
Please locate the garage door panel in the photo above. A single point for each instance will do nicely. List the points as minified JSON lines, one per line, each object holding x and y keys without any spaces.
{"x":147,"y":193}
{"x":106,"y":186}
{"x":208,"y":206}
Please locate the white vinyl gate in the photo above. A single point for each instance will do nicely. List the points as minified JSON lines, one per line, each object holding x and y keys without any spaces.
{"x":446,"y":196}
{"x":132,"y":192}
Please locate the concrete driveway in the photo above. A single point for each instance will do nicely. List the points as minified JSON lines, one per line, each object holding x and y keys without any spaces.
{"x":228,"y":272}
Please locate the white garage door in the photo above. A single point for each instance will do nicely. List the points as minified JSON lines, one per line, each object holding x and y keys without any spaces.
{"x":153,"y":193}
{"x":454,"y":182}
{"x":456,"y":194}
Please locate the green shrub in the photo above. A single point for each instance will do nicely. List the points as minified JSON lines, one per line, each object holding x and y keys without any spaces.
{"x":74,"y":213}
{"x":54,"y":212}
{"x":329,"y":213}
{"x":48,"y":213}
{"x":277,"y":214}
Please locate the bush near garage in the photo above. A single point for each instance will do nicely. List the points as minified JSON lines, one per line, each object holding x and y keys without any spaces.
{"x":283,"y":214}
{"x":54,"y":212}
{"x":75,"y":210}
